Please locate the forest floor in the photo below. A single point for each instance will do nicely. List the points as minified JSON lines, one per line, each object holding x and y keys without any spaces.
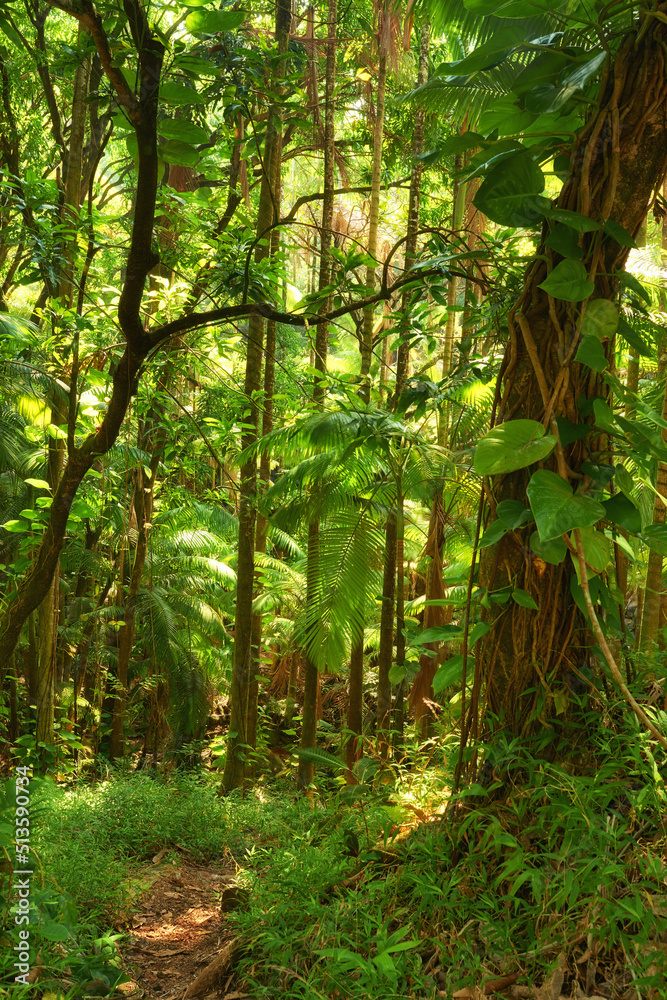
{"x":541,"y":884}
{"x":176,"y":930}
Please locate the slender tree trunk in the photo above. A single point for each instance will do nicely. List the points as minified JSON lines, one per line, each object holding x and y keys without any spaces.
{"x":399,"y":701}
{"x":355,"y":704}
{"x":142,"y":505}
{"x":613,"y":175}
{"x":374,"y":212}
{"x":242,"y":665}
{"x":653,"y":592}
{"x":414,"y":199}
{"x":265,"y":477}
{"x":385,"y":654}
{"x":311,"y":677}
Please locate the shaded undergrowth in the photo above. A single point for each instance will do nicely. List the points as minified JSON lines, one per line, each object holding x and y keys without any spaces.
{"x":389,"y":890}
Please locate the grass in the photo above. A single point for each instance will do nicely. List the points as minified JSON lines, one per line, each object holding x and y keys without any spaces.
{"x":351,"y":897}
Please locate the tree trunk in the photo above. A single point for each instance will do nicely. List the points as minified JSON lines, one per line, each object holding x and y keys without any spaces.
{"x":374,"y":211}
{"x":311,"y":678}
{"x":355,"y":705}
{"x":265,"y":477}
{"x":650,"y":622}
{"x":615,"y":169}
{"x":385,"y":653}
{"x":142,"y":112}
{"x":414,"y":199}
{"x":242,"y":665}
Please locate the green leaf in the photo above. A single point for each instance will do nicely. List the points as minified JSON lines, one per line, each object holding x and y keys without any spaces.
{"x":53,"y":931}
{"x":489,"y":54}
{"x":454,"y":144}
{"x":510,"y":193}
{"x":493,"y":534}
{"x":174,"y":151}
{"x":600,"y":472}
{"x":437,"y":633}
{"x":182,"y":131}
{"x":618,"y":233}
{"x":633,"y":338}
{"x":597,"y":551}
{"x":15,"y":526}
{"x":552,"y":552}
{"x":210,"y":22}
{"x":512,"y":513}
{"x":548,"y":98}
{"x":622,"y":510}
{"x":397,"y":672}
{"x":511,"y":446}
{"x":629,"y":281}
{"x":655,"y":536}
{"x":40,"y":484}
{"x":600,"y":319}
{"x":568,"y":281}
{"x":591,"y":353}
{"x":604,"y":416}
{"x":624,"y":480}
{"x":543,"y":70}
{"x":478,"y":632}
{"x":523,"y":599}
{"x":321,"y":758}
{"x":557,"y":509}
{"x":569,"y":432}
{"x":449,"y":673}
{"x":504,"y":8}
{"x":582,"y":223}
{"x":564,"y":241}
{"x":178,"y":95}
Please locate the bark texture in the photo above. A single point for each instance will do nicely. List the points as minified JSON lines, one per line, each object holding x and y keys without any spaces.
{"x":617,"y":163}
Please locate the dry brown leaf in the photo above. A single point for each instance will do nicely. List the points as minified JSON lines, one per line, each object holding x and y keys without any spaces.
{"x":501,"y":983}
{"x":550,"y":989}
{"x":160,"y":855}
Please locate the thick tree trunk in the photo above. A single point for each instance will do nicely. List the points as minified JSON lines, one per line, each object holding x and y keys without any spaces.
{"x":311,"y":679}
{"x":618,"y":161}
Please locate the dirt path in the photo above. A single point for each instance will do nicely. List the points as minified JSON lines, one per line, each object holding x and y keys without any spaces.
{"x":177,"y":930}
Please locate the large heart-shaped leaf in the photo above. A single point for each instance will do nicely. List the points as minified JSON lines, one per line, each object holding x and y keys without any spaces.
{"x":568,"y":281}
{"x":510,"y":193}
{"x":600,"y":319}
{"x":553,"y":551}
{"x":591,"y":353}
{"x":511,"y":446}
{"x":621,"y":510}
{"x":512,"y":513}
{"x":557,"y":509}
